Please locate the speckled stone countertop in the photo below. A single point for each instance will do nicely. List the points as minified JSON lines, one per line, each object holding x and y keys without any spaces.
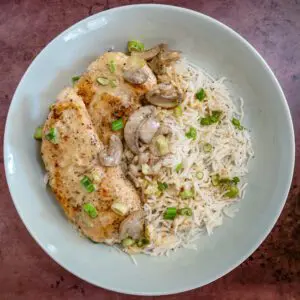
{"x":273,"y":27}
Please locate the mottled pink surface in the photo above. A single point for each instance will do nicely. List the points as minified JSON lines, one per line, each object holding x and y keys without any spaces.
{"x":273,"y":27}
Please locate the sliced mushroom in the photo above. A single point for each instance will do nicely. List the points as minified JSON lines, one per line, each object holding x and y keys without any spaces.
{"x":136,"y":76}
{"x":164,"y":95}
{"x":148,"y":130}
{"x":131,"y":131}
{"x":132,"y":226}
{"x":112,"y":157}
{"x":148,"y":54}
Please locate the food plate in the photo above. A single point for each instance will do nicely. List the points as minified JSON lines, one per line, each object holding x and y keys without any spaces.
{"x":206,"y":43}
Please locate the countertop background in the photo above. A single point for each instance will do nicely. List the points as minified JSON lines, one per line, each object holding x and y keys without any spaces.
{"x":273,"y":27}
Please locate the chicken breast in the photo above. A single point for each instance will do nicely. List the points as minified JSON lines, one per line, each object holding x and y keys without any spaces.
{"x":110,"y":90}
{"x":84,"y":189}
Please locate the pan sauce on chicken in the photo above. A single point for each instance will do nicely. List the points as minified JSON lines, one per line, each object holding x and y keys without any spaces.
{"x":83,"y":136}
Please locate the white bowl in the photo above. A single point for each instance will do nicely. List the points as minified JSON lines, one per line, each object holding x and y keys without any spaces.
{"x":212,"y":46}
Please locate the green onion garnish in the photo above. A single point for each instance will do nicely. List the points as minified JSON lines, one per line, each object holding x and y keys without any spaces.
{"x":135,"y":45}
{"x":112,"y":66}
{"x":178,"y":167}
{"x":86,"y":182}
{"x":142,"y":242}
{"x":128,"y":242}
{"x":52,"y":135}
{"x":235,"y":180}
{"x":186,"y":194}
{"x":187,"y":211}
{"x":38,"y":134}
{"x":215,"y":179}
{"x":90,"y":209}
{"x":162,"y":186}
{"x":213,"y":118}
{"x":178,"y":111}
{"x":237,"y":124}
{"x":207,"y":147}
{"x":200,"y":95}
{"x":103,"y":81}
{"x":233,"y":192}
{"x":170,"y":213}
{"x":113,"y":83}
{"x":75,"y":79}
{"x":117,"y":125}
{"x":199,"y":175}
{"x":192,"y":133}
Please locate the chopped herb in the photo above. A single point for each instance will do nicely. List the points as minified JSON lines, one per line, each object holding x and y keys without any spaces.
{"x":211,"y":119}
{"x":128,"y":242}
{"x":86,"y":182}
{"x":200,"y":95}
{"x":117,"y":125}
{"x":113,"y":83}
{"x":199,"y":175}
{"x":186,"y":194}
{"x":142,"y":242}
{"x":90,"y":209}
{"x":170,"y":213}
{"x":215,"y":179}
{"x":103,"y":81}
{"x":235,"y":180}
{"x":178,"y":111}
{"x":75,"y":79}
{"x":237,"y":124}
{"x":38,"y":134}
{"x":178,"y":167}
{"x":135,"y":45}
{"x":192,"y":133}
{"x":162,"y":186}
{"x":112,"y":66}
{"x":187,"y":211}
{"x":233,"y":192}
{"x":52,"y":135}
{"x":207,"y":147}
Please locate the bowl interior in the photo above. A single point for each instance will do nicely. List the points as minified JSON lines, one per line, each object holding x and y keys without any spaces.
{"x":221,"y":52}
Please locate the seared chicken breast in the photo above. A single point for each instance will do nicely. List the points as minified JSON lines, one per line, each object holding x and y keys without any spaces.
{"x":86,"y":190}
{"x":112,"y":89}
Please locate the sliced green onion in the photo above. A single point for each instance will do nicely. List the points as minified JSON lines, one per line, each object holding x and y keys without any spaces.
{"x":52,"y":135}
{"x":205,"y":121}
{"x":119,"y":208}
{"x":86,"y":182}
{"x":213,"y":118}
{"x":90,"y":209}
{"x":142,"y":242}
{"x":192,"y":133}
{"x":178,"y":111}
{"x":128,"y":242}
{"x":187,"y":211}
{"x":207,"y":147}
{"x":162,"y":145}
{"x":103,"y":81}
{"x":200,"y":95}
{"x":170,"y":213}
{"x":237,"y":124}
{"x":117,"y":125}
{"x":186,"y":194}
{"x":199,"y":175}
{"x":179,"y":167}
{"x":75,"y":79}
{"x":233,"y":192}
{"x":215,"y":179}
{"x":112,"y":66}
{"x":113,"y":83}
{"x":162,"y":186}
{"x":235,"y":180}
{"x":38,"y":133}
{"x":135,"y":45}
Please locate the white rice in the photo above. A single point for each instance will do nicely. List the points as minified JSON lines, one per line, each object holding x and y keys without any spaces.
{"x":231,"y":150}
